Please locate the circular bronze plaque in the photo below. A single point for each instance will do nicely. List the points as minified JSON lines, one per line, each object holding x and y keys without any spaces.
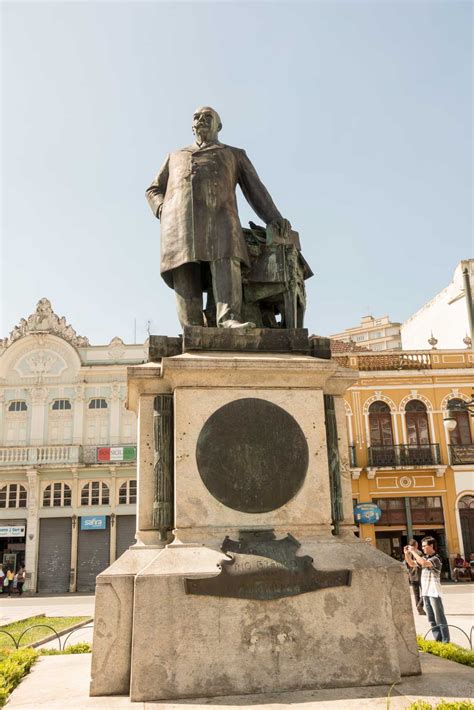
{"x":252,"y":455}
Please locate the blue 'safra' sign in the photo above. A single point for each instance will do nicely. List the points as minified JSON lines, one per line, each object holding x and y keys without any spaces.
{"x":367,"y":513}
{"x":93,"y":522}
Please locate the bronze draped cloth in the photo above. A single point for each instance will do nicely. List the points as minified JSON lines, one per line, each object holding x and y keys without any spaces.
{"x":199,"y":218}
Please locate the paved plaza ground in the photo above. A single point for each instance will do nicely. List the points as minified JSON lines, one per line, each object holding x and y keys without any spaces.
{"x":59,"y":682}
{"x":62,"y":683}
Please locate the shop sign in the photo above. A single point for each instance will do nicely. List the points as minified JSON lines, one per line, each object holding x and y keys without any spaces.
{"x":367,"y":513}
{"x":463,"y":454}
{"x":93,"y":522}
{"x":116,"y":453}
{"x":12,"y":530}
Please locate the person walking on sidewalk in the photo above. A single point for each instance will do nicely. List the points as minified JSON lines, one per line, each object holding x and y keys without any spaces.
{"x":431,"y":565}
{"x":9,"y":579}
{"x":414,"y":577}
{"x":20,"y":580}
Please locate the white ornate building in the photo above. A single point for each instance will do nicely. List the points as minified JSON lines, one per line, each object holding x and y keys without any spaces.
{"x":67,"y":452}
{"x":444,"y":320}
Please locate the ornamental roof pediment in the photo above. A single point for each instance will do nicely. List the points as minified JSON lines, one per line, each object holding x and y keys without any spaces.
{"x":40,"y":364}
{"x":44,"y":320}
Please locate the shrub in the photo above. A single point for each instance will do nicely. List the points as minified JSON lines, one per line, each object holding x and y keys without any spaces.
{"x":442,"y":705}
{"x":81,"y":647}
{"x":13,"y":666}
{"x":447,"y":650}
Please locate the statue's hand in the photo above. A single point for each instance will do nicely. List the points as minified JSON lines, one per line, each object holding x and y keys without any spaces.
{"x":282,"y":225}
{"x":160,"y":209}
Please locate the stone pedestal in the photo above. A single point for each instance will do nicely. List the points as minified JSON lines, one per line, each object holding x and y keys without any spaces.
{"x":155,"y":636}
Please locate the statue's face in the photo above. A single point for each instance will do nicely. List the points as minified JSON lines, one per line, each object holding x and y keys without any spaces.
{"x":206,"y":124}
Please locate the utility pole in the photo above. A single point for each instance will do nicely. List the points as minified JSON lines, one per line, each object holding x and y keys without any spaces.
{"x":469,"y":304}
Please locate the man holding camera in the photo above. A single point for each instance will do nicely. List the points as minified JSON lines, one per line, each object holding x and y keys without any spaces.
{"x":431,"y":565}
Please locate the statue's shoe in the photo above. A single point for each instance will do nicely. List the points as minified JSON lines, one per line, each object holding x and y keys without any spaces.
{"x":236,"y":324}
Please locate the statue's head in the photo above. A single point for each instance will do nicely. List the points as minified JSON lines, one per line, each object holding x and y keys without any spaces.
{"x":206,"y":124}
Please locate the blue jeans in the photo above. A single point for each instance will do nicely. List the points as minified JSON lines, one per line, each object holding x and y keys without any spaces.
{"x":435,"y":613}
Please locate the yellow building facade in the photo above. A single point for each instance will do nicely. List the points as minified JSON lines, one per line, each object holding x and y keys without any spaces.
{"x":403,"y":458}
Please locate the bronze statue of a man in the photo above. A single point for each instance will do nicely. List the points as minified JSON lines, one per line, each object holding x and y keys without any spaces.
{"x":193,"y":196}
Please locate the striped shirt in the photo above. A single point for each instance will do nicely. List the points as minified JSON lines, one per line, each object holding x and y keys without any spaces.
{"x":431,"y":577}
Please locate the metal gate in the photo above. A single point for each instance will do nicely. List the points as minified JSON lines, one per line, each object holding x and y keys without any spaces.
{"x":93,"y":551}
{"x":126,"y":527}
{"x":54,"y":555}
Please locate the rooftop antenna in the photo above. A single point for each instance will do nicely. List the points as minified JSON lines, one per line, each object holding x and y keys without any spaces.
{"x":148,"y":327}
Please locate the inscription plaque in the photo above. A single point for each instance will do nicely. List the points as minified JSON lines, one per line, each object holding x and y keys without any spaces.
{"x":261,"y":567}
{"x":252,"y":455}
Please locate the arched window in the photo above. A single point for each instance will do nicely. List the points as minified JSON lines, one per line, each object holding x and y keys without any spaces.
{"x":61,"y":404}
{"x":17,"y":405}
{"x":380,"y":424}
{"x":95,"y":493}
{"x":13,"y":495}
{"x":416,"y":418}
{"x":56,"y":495}
{"x":98,"y":403}
{"x":461,"y":435}
{"x":128,"y":492}
{"x":381,"y":451}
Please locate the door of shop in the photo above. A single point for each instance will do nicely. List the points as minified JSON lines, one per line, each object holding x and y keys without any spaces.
{"x":126,"y":527}
{"x":390,"y":543}
{"x":466,"y":516}
{"x":12,"y":543}
{"x":93,"y":553}
{"x":54,"y":555}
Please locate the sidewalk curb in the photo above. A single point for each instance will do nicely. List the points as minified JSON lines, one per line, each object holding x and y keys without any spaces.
{"x":23,"y":618}
{"x":56,"y":637}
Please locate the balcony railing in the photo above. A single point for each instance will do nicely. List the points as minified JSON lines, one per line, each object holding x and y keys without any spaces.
{"x":460,"y":454}
{"x":352,"y":457}
{"x":39,"y":455}
{"x":404,"y":455}
{"x":405,"y":360}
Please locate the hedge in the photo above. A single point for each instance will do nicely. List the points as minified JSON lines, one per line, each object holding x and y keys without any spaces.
{"x":442,"y":705}
{"x":447,"y":650}
{"x":13,"y":666}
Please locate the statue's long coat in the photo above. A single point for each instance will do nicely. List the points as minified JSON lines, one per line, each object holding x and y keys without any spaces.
{"x":199,"y":218}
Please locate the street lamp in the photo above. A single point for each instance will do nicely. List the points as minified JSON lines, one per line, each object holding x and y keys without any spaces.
{"x":470,"y":309}
{"x":461,"y":406}
{"x":450,"y":422}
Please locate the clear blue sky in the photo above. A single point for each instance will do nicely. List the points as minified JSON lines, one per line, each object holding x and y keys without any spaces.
{"x":357,"y":116}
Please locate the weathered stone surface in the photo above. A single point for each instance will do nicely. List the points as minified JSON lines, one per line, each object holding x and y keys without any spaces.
{"x":113,"y":622}
{"x":197,"y":507}
{"x":223,"y":646}
{"x":403,"y":621}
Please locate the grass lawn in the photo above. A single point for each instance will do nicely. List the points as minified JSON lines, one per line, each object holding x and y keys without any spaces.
{"x":58,"y":623}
